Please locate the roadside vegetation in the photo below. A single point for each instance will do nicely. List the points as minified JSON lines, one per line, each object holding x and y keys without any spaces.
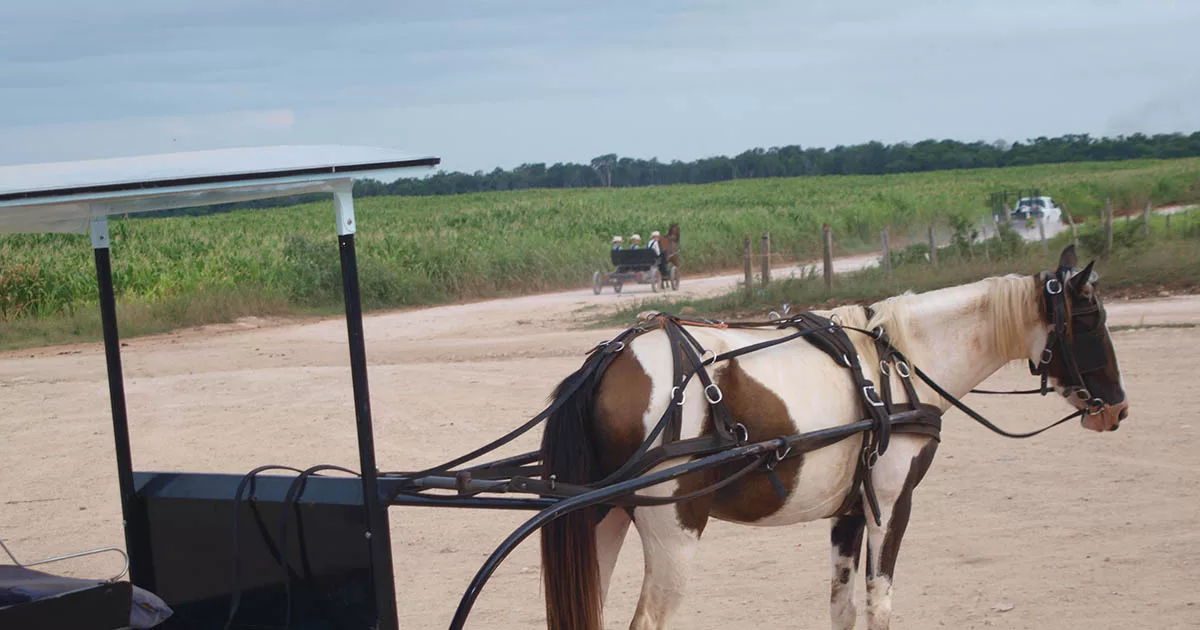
{"x":1165,"y":262}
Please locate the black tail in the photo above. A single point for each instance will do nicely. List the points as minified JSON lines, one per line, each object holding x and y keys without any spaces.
{"x":570,"y":570}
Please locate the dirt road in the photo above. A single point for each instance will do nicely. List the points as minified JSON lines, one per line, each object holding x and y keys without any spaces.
{"x":1072,"y":529}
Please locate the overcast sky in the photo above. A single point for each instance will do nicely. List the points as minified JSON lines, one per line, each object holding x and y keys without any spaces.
{"x":485,"y":84}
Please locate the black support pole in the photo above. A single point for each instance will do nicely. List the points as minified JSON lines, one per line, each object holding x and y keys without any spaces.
{"x":134,"y":537}
{"x":379,"y":534}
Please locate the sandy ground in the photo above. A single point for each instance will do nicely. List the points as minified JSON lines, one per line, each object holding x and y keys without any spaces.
{"x":1072,"y":529}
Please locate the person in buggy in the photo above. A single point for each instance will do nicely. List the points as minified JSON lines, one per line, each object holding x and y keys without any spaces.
{"x":616,"y":243}
{"x":635,"y":241}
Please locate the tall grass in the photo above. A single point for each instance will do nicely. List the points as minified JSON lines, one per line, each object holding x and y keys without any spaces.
{"x":422,"y":250}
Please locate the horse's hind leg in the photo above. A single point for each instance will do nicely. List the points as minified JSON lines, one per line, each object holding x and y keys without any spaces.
{"x":669,"y":539}
{"x":895,"y":476}
{"x":846,"y":539}
{"x":610,"y":535}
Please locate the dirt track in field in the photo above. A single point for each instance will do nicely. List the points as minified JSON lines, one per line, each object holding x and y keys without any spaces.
{"x":1072,"y":529}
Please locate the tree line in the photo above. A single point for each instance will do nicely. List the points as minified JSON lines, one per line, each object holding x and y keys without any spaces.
{"x":871,"y":158}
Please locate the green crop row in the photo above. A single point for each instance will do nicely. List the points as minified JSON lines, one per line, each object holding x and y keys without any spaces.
{"x":420,"y":250}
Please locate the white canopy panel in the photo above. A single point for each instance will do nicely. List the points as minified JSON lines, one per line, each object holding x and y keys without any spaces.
{"x":63,"y":196}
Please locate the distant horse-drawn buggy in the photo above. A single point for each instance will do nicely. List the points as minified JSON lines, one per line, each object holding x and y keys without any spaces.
{"x":658,"y":269}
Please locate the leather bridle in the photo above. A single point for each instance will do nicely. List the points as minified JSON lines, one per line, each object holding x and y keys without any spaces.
{"x":1080,"y":350}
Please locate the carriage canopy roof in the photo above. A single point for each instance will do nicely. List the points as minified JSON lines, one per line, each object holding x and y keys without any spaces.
{"x":64,"y":196}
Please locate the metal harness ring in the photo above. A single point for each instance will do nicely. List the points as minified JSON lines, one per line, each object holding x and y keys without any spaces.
{"x":681,"y":398}
{"x":902,"y":369}
{"x":741,"y":433}
{"x":709,"y":397}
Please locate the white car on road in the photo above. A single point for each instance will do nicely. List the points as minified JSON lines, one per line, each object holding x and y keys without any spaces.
{"x":1043,"y":207}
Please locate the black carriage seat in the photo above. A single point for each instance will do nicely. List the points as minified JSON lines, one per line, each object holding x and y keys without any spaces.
{"x":633,"y":259}
{"x":35,"y":599}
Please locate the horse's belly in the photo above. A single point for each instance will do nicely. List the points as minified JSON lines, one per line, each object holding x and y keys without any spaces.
{"x":814,"y":491}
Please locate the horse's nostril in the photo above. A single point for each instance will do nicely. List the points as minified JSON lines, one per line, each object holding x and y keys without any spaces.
{"x":1123,"y":414}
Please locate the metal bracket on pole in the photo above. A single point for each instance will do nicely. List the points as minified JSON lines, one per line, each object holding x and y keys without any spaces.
{"x":99,"y":232}
{"x":343,"y":208}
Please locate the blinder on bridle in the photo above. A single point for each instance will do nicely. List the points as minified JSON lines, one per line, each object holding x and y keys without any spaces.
{"x":1077,"y":345}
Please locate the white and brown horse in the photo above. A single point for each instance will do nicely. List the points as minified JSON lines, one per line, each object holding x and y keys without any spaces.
{"x":959,"y":336}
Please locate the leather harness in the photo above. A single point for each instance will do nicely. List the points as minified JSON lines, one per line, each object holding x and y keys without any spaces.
{"x":691,"y":360}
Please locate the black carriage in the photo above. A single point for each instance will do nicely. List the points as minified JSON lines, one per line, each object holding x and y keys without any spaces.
{"x":635,"y":265}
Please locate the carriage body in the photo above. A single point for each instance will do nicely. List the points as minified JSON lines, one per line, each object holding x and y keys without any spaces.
{"x":639,"y":266}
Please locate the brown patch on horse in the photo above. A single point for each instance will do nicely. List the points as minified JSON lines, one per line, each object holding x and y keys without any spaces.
{"x":621,"y":403}
{"x":898,"y":522}
{"x":693,"y":514}
{"x":753,"y":497}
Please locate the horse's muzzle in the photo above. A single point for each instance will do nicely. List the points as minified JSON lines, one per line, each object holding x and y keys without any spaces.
{"x":1109,"y":418}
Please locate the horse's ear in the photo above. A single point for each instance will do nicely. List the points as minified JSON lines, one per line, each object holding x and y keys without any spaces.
{"x":1068,"y":258}
{"x":1081,"y":279}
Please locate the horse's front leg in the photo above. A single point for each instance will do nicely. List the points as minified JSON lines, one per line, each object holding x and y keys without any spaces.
{"x":895,"y":476}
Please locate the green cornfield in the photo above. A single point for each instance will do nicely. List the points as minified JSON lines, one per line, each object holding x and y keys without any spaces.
{"x":423,"y":250}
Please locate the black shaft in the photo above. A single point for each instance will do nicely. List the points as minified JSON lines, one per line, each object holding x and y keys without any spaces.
{"x":116,"y":395}
{"x":380,"y":536}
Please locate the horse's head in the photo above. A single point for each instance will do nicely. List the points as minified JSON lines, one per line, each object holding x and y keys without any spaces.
{"x":1078,"y":358}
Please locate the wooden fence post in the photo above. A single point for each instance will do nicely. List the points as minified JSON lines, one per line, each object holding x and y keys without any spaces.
{"x":749,"y":267}
{"x":766,"y":258}
{"x":827,"y":234}
{"x":885,"y":252}
{"x":1146,"y":220}
{"x":1108,"y":226}
{"x":987,"y":250}
{"x":932,"y":248}
{"x":1168,"y":224}
{"x":1071,"y":224}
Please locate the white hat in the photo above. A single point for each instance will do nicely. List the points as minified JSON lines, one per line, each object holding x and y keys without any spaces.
{"x":635,"y":237}
{"x":654,"y":233}
{"x":616,"y":239}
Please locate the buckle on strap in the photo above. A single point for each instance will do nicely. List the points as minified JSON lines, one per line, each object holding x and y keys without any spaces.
{"x":1054,"y":286}
{"x":872,"y":396}
{"x":713,"y":398}
{"x":617,"y":346}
